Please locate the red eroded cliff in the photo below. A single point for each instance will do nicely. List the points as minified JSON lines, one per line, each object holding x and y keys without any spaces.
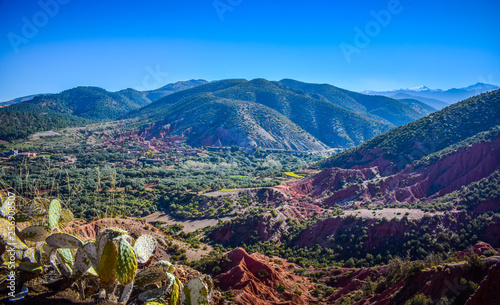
{"x":340,"y":186}
{"x":255,"y":279}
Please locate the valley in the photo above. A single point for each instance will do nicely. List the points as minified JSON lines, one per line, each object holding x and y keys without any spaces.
{"x":233,"y":152}
{"x":283,"y":192}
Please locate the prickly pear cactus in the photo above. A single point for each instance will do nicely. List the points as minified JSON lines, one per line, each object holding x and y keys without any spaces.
{"x":38,"y":207}
{"x":153,"y":274}
{"x":38,"y":256}
{"x":106,"y":235}
{"x":65,"y":218}
{"x":154,"y":294}
{"x":54,"y":214}
{"x":6,"y":206}
{"x":144,"y":247}
{"x":63,"y":240}
{"x":195,"y":293}
{"x":115,"y":232}
{"x":8,"y":233}
{"x":35,"y":233}
{"x":126,"y":263}
{"x":177,"y":288}
{"x":101,"y":241}
{"x":86,"y":258}
{"x":127,"y":291}
{"x":106,"y":270}
{"x":30,"y":267}
{"x":66,"y":257}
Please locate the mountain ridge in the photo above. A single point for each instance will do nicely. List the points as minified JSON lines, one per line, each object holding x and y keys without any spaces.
{"x":338,"y":118}
{"x":322,"y":117}
{"x":450,"y":96}
{"x":415,"y":140}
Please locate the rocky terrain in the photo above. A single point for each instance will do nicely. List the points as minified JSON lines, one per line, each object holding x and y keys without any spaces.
{"x":258,"y":279}
{"x":413,"y":184}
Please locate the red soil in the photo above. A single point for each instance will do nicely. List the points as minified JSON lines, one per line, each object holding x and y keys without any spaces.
{"x":480,"y":248}
{"x":254,"y":279}
{"x":340,"y":186}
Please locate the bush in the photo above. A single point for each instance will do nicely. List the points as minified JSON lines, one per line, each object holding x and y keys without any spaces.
{"x":419,"y":299}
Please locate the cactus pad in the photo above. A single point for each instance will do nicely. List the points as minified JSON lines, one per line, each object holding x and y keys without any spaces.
{"x":104,"y":236}
{"x":35,"y":233}
{"x":66,"y":256}
{"x":144,"y":247}
{"x":106,"y":270}
{"x":30,"y":267}
{"x":8,"y":233}
{"x":157,"y":272}
{"x":38,"y":207}
{"x":127,"y":291}
{"x":177,"y":288}
{"x":6,"y":206}
{"x":63,"y":240}
{"x":195,"y":293}
{"x":66,"y":217}
{"x":126,"y":263}
{"x":154,"y":294}
{"x":86,"y":260}
{"x":54,"y":214}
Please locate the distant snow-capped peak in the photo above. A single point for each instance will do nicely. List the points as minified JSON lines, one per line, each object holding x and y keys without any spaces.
{"x":419,"y":88}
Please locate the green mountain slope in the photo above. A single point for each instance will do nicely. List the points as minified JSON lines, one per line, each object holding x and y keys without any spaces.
{"x":157,"y":94}
{"x":137,"y":97}
{"x":333,"y":125}
{"x":403,"y":145}
{"x":90,"y":103}
{"x":159,"y":108}
{"x":73,"y":107}
{"x":208,"y":121}
{"x":383,"y":107}
{"x":23,"y":119}
{"x":419,"y":106}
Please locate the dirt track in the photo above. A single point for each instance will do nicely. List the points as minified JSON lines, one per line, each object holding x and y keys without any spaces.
{"x":388,"y":213}
{"x":189,"y":225}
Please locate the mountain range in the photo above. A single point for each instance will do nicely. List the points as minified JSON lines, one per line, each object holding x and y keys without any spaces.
{"x":288,"y":114}
{"x":27,"y":115}
{"x":146,"y":96}
{"x":436,"y":98}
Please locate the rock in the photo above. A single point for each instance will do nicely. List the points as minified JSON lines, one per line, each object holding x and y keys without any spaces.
{"x":480,"y":248}
{"x":254,"y":279}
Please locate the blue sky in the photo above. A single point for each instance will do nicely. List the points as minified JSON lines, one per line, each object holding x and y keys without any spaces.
{"x":146,"y":44}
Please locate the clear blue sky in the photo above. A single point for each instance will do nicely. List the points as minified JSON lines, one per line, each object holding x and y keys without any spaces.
{"x":116,"y":44}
